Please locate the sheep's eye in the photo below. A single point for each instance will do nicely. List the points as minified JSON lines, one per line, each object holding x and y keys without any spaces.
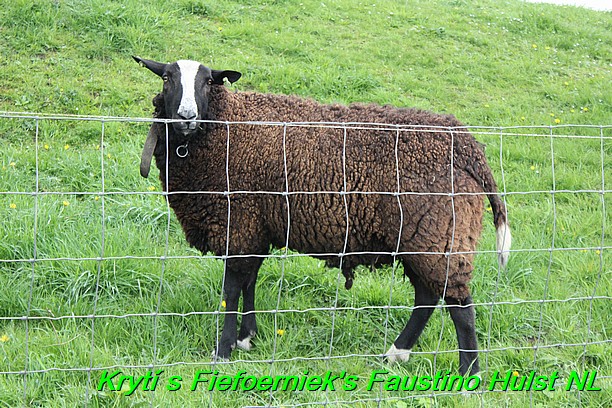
{"x":165,"y":78}
{"x":210,"y":81}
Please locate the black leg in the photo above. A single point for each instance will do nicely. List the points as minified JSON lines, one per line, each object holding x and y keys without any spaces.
{"x":237,"y":274}
{"x":248,"y":326}
{"x":462,"y":313}
{"x":424,"y":302}
{"x":349,"y":275}
{"x":232,"y":286}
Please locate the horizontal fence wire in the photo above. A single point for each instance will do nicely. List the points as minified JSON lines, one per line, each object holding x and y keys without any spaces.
{"x":31,"y":256}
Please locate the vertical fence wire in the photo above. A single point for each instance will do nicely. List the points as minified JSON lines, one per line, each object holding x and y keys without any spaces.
{"x":550,"y":257}
{"x":600,"y":272}
{"x":492,"y":304}
{"x":99,"y":265}
{"x":334,"y":309}
{"x":215,"y":357}
{"x":341,"y":255}
{"x":450,"y":250}
{"x":155,"y":314}
{"x":33,"y":264}
{"x":397,"y":249}
{"x":283,"y":259}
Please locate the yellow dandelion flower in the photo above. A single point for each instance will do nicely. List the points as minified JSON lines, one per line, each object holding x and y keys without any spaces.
{"x":534,"y":46}
{"x":566,"y":83}
{"x":532,"y":168}
{"x":65,"y":203}
{"x":547,"y":48}
{"x":151,"y":188}
{"x":108,"y":155}
{"x":223,"y":304}
{"x":585,"y":109}
{"x":280,"y":332}
{"x":12,"y":164}
{"x":552,"y":115}
{"x":97,"y":147}
{"x":66,"y":146}
{"x":486,"y":105}
{"x":4,"y":338}
{"x":489,"y":209}
{"x":46,"y":146}
{"x":597,"y":251}
{"x":572,"y":110}
{"x":12,"y":206}
{"x":522,"y":118}
{"x":515,"y":373}
{"x":557,"y":121}
{"x":96,"y":198}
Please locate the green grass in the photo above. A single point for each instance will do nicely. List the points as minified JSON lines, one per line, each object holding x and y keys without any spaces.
{"x":488,"y":63}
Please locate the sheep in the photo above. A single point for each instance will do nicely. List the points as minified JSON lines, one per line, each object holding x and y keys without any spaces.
{"x":357,"y":193}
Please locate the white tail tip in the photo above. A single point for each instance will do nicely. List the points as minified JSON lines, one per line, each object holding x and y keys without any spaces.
{"x":504,"y":241}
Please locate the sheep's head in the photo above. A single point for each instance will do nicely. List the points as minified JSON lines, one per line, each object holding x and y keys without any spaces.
{"x":186,"y":88}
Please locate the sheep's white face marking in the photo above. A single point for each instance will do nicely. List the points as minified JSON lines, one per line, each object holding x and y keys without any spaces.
{"x":188,"y":107}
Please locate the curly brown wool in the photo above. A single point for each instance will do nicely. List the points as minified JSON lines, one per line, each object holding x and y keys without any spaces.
{"x":347,"y":201}
{"x":436,"y":224}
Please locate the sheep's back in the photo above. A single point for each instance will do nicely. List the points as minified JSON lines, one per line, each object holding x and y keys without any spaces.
{"x":330,"y":173}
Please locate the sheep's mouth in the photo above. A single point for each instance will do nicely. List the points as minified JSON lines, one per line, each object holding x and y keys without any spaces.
{"x":185,"y":128}
{"x":188,"y":132}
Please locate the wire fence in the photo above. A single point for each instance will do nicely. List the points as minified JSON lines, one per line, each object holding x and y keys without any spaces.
{"x":83,"y":234}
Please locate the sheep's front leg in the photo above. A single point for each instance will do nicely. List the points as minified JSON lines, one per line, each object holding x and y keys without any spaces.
{"x":231,"y":287}
{"x":248,"y":327}
{"x":238,"y":274}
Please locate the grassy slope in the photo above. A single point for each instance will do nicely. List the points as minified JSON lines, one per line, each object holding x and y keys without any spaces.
{"x":489,"y":63}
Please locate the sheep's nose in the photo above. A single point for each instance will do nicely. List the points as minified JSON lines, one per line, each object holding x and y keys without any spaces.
{"x":187,"y":116}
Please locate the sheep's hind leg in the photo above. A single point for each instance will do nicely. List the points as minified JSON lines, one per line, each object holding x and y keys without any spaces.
{"x":462,"y":313}
{"x":248,"y":327}
{"x":424,"y":302}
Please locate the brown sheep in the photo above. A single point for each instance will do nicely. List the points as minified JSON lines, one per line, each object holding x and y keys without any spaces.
{"x":353,"y":185}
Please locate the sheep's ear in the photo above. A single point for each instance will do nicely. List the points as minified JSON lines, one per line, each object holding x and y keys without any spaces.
{"x":231,"y":76}
{"x":156,"y":67}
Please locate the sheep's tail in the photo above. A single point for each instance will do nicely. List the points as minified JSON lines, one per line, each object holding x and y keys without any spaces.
{"x":480,"y":170}
{"x":504,"y":237}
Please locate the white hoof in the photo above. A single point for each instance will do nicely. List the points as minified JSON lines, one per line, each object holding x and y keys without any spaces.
{"x":244,"y":344}
{"x":394,"y":354}
{"x":215,"y":358}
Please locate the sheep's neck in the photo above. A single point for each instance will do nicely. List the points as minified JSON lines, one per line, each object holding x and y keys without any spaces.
{"x":171,"y":157}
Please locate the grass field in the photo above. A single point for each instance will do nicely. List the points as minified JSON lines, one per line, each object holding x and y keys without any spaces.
{"x":106,"y":244}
